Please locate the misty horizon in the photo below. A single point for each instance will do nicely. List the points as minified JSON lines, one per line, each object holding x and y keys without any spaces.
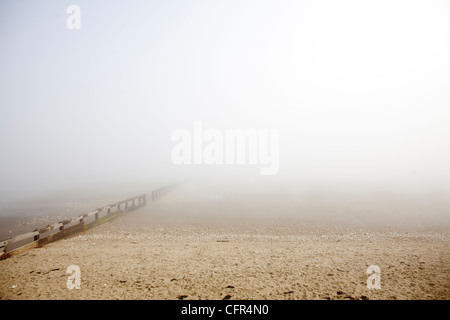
{"x":358,"y":93}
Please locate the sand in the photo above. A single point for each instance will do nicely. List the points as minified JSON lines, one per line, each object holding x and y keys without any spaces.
{"x":181,"y":248}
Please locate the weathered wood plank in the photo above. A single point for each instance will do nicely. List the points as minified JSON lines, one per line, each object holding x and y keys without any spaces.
{"x":44,"y":230}
{"x":67,"y":221}
{"x":23,"y":248}
{"x":90,"y":214}
{"x":74,"y":229}
{"x":57,"y":225}
{"x":61,"y":234}
{"x":22,"y":237}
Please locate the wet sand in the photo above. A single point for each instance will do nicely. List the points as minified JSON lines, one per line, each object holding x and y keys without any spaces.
{"x":183,"y":247}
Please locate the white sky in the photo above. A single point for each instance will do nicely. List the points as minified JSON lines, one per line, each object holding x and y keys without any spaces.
{"x":358,"y":89}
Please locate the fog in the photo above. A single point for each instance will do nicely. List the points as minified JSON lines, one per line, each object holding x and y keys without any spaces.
{"x":358,"y":91}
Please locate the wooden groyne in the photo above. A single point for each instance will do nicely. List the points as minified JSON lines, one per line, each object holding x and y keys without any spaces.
{"x":70,"y":227}
{"x":158,"y":193}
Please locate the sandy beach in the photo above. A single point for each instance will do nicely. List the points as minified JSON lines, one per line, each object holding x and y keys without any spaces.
{"x":224,"y":150}
{"x":182,"y":248}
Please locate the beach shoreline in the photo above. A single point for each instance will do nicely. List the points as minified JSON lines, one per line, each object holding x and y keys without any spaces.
{"x":192,"y":245}
{"x":212,"y":262}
